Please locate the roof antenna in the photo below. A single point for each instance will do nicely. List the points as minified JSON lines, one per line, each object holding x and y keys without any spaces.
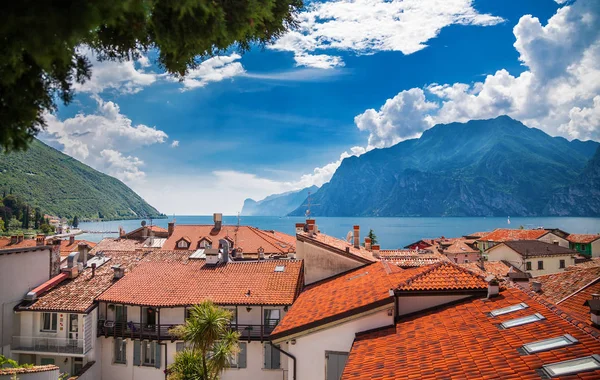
{"x":237,"y":227}
{"x":308,"y":205}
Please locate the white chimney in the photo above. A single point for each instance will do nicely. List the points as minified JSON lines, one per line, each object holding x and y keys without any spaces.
{"x":119,"y":271}
{"x":536,"y":286}
{"x":261,"y":253}
{"x":299,"y":228}
{"x":212,"y":256}
{"x":356,"y":236}
{"x":493,"y":286}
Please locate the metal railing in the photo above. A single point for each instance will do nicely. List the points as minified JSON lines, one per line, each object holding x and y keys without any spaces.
{"x":46,"y":344}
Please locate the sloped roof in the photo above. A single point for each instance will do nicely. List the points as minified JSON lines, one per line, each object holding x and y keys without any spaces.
{"x":406,"y":258}
{"x":458,"y":247}
{"x":575,"y":303}
{"x":172,"y":284}
{"x":505,"y":234}
{"x":534,"y":248}
{"x":339,"y":246}
{"x":5,"y":243}
{"x":117,"y":244}
{"x":460,"y":341}
{"x":443,"y":276}
{"x":498,"y":269}
{"x":250,"y":239}
{"x":583,"y":238}
{"x":557,"y":286}
{"x":66,"y":248}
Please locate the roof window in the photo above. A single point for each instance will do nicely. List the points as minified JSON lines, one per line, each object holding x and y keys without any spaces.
{"x":548,"y":344}
{"x":569,"y":367}
{"x":508,"y":309}
{"x":280,"y":268}
{"x":522,"y":321}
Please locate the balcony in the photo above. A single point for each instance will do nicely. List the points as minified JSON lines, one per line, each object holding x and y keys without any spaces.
{"x":143,"y":331}
{"x":48,"y":345}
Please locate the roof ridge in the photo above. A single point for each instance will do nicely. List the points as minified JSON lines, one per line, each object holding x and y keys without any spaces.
{"x":558,"y":311}
{"x":416,"y":276}
{"x":255,"y":230}
{"x":579,"y":290}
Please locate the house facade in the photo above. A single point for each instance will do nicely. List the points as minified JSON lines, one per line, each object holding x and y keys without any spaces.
{"x":586,"y":244}
{"x":500,"y":235}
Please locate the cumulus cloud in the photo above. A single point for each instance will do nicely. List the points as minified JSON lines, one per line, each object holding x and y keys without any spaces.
{"x":100,"y":139}
{"x":175,"y":144}
{"x":368,"y":26}
{"x":214,"y":69}
{"x":120,"y":76}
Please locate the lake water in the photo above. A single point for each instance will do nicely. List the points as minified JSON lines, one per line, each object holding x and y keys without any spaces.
{"x":391,"y":232}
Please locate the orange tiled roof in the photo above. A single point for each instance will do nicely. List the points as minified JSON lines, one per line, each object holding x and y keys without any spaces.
{"x":443,"y":276}
{"x":557,"y":286}
{"x":250,"y":239}
{"x":497,"y":269}
{"x":460,"y":341}
{"x":505,"y":234}
{"x":339,"y":245}
{"x":5,"y":243}
{"x":341,"y":296}
{"x":459,"y":246}
{"x":583,"y":238}
{"x":593,"y":262}
{"x":117,"y":244}
{"x":574,"y":304}
{"x":406,"y":258}
{"x":66,"y":248}
{"x":162,"y":284}
{"x":5,"y":371}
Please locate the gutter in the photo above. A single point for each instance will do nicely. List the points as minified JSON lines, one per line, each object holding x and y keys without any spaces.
{"x":288,"y":355}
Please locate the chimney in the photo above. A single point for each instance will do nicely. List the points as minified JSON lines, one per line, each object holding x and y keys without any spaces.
{"x":171,"y":228}
{"x":40,"y":240}
{"x":536,"y":286}
{"x":119,"y":271}
{"x":493,"y":286}
{"x":368,"y":243}
{"x":261,"y":253}
{"x":212,"y":256}
{"x":224,"y":246}
{"x":71,"y":239}
{"x":299,"y":228}
{"x":356,"y":236}
{"x":375,"y":250}
{"x":121,"y":232}
{"x":83,"y":253}
{"x":218,"y":219}
{"x":13,"y":239}
{"x":239,"y":252}
{"x":20,"y":238}
{"x":594,"y":305}
{"x":93,"y":270}
{"x":71,"y":270}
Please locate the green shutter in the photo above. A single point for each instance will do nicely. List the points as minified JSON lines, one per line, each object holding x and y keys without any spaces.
{"x":275,"y":358}
{"x":157,"y":355}
{"x":136,"y":352}
{"x":242,"y":356}
{"x":267,"y":355}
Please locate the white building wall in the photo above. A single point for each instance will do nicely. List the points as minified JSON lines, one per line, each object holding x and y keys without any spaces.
{"x":19,"y":273}
{"x":320,"y":263}
{"x":596,"y":248}
{"x":411,"y":304}
{"x":552,"y":238}
{"x":551,"y":263}
{"x":309,"y":350}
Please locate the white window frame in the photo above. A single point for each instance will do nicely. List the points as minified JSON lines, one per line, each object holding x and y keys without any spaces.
{"x":146,"y":346}
{"x":53,"y":322}
{"x":122,"y":348}
{"x":182,"y":244}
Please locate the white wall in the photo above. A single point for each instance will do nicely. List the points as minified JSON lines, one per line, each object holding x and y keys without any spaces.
{"x":551,"y":263}
{"x":309,"y":350}
{"x":320,"y":263}
{"x":551,"y":238}
{"x":19,"y":273}
{"x":596,"y":248}
{"x":411,"y":304}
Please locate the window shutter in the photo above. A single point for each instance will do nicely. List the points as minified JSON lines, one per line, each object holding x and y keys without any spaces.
{"x":157,"y":355}
{"x":179,"y":346}
{"x":242,"y":356}
{"x":117,"y":347}
{"x":267,"y":355}
{"x":136,"y":352}
{"x":275,"y":358}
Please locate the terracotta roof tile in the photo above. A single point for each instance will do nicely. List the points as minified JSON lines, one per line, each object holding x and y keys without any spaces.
{"x":406,"y":258}
{"x":557,"y":286}
{"x":116,"y":244}
{"x":443,"y":276}
{"x":505,"y":234}
{"x":23,"y":371}
{"x":250,"y":239}
{"x":5,"y":243}
{"x":535,"y":248}
{"x":497,"y":269}
{"x":66,"y":248}
{"x":178,"y":283}
{"x":459,"y":246}
{"x":583,"y":238}
{"x":593,"y":262}
{"x":339,"y":245}
{"x":574,"y":304}
{"x":460,"y":341}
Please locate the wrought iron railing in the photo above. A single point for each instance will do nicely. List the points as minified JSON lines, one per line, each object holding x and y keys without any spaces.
{"x":47,"y":344}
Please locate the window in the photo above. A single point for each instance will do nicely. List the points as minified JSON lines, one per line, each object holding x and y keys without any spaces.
{"x":239,"y":361}
{"x":120,"y":313}
{"x":120,"y":351}
{"x":508,"y":309}
{"x":568,"y":367}
{"x":528,"y":265}
{"x":334,"y":364}
{"x":272,"y":357}
{"x":540,"y":265}
{"x":77,"y":366}
{"x":49,"y":322}
{"x":280,"y":268}
{"x":522,"y":321}
{"x":549,"y":344}
{"x":561,"y":265}
{"x":583,"y":247}
{"x":182,"y":244}
{"x":46,"y":361}
{"x":456,"y":260}
{"x":272,"y":317}
{"x":149,"y":353}
{"x":204,"y":244}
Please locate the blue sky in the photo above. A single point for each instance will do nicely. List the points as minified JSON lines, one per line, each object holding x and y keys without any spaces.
{"x":356,"y":76}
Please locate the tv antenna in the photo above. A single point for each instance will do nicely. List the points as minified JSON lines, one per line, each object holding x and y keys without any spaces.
{"x":308,"y":205}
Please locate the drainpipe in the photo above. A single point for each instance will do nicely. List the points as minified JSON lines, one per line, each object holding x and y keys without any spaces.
{"x":288,"y":355}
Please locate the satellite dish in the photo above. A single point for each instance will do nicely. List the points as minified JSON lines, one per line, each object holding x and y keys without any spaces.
{"x":349,"y":236}
{"x":143,"y":223}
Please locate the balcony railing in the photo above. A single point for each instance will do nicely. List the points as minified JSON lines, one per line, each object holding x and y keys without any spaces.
{"x":144,"y":331}
{"x":51,"y":345}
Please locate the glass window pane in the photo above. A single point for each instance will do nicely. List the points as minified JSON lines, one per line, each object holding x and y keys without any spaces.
{"x":573,"y":366}
{"x":549,"y":344}
{"x":508,"y":309}
{"x":522,"y":321}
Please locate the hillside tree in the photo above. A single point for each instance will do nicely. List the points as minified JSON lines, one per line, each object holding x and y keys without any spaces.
{"x":373,"y":237}
{"x":43,"y":43}
{"x":75,"y":222}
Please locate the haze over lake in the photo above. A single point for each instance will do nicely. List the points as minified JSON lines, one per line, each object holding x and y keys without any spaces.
{"x":391,"y":232}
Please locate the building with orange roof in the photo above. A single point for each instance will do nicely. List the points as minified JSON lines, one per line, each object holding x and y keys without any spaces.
{"x":408,"y":258}
{"x":586,"y":244}
{"x":460,"y":252}
{"x":500,"y":235}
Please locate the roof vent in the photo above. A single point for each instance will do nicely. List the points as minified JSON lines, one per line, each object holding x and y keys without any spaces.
{"x":119,"y":271}
{"x":212,"y":256}
{"x":536,"y":286}
{"x":261,"y":253}
{"x":280,"y":268}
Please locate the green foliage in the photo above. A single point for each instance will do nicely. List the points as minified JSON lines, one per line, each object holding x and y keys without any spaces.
{"x":373,"y":237}
{"x":39,"y":58}
{"x":211,"y":344}
{"x":1,"y":225}
{"x":75,"y":222}
{"x":14,"y":224}
{"x":4,"y":362}
{"x":46,"y":228}
{"x":62,"y":186}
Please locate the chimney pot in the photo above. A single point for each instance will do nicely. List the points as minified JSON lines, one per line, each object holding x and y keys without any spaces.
{"x":368,"y":243}
{"x":375,"y":250}
{"x":40,"y":240}
{"x":356,"y":236}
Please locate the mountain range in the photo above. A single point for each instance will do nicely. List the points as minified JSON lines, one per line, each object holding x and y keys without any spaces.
{"x":495,"y":167}
{"x":62,"y":186}
{"x":277,"y":204}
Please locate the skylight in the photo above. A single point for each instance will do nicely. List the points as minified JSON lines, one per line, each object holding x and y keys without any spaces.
{"x":522,"y":321}
{"x":508,"y":309}
{"x":279,"y":268}
{"x":549,"y":344}
{"x":568,"y":367}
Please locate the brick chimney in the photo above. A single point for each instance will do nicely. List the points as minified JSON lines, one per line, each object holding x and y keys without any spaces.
{"x":40,"y":239}
{"x":218,"y":219}
{"x":13,"y":239}
{"x":71,"y":239}
{"x":375,"y":250}
{"x":299,"y":228}
{"x":594,"y":305}
{"x":368,"y":243}
{"x":171,"y":228}
{"x":312,"y":227}
{"x":20,"y":238}
{"x":356,"y":236}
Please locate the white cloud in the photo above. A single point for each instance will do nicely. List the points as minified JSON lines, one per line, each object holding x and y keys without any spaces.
{"x":121,"y":76}
{"x":175,"y":144}
{"x":584,"y":122}
{"x":214,"y":69}
{"x":368,"y":26}
{"x":100,"y":139}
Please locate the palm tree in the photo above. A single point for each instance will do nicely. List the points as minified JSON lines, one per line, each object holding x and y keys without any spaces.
{"x":211,"y":344}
